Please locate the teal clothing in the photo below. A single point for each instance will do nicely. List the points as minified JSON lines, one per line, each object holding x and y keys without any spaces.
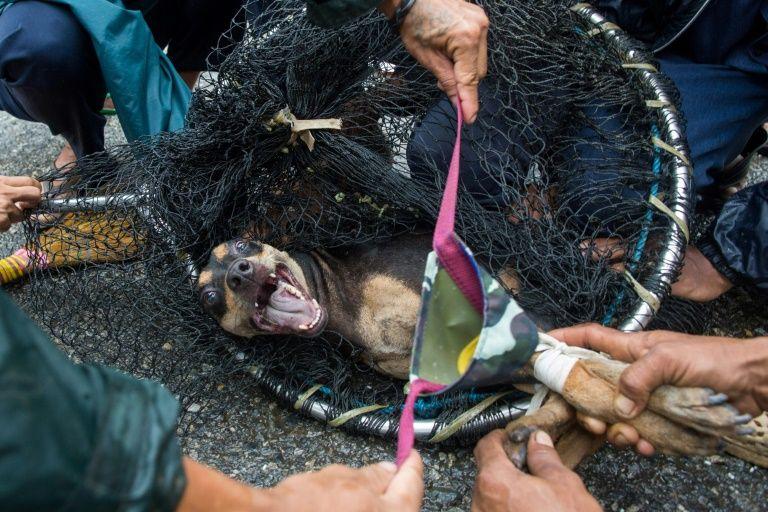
{"x":80,"y":437}
{"x":148,"y":93}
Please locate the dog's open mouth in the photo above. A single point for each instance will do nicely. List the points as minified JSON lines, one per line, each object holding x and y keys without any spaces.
{"x":283,"y":306}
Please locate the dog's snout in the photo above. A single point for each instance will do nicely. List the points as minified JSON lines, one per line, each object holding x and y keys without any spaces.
{"x":239,"y":272}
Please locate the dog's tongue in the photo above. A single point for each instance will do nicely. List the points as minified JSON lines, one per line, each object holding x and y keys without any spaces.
{"x":287,"y":310}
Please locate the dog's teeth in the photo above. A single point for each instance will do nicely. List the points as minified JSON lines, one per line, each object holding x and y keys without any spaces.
{"x":294,"y":291}
{"x":256,"y":304}
{"x":315,"y":303}
{"x":273,"y":275}
{"x":303,"y":327}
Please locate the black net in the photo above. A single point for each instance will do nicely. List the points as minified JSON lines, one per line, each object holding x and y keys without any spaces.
{"x":556,"y":177}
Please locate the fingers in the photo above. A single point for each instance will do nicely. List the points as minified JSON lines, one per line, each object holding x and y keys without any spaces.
{"x":645,"y":448}
{"x":378,"y":476}
{"x":9,"y":214}
{"x":543,"y":460}
{"x":470,"y":65}
{"x":489,"y":453}
{"x":643,"y":376}
{"x":442,"y":67}
{"x":406,"y":489}
{"x":619,"y":345}
{"x":27,"y":195}
{"x":20,"y":181}
{"x":622,"y":435}
{"x":590,"y":424}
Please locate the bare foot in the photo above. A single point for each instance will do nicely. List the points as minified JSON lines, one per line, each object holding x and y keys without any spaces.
{"x":66,"y":157}
{"x":699,"y":281}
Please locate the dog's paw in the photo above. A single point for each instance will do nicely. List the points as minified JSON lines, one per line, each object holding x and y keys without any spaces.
{"x":702,"y":409}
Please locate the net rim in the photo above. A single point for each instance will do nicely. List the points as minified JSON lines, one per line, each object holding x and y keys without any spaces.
{"x":667,"y":267}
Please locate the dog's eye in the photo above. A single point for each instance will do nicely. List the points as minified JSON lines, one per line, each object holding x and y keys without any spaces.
{"x":210,"y":298}
{"x":241,"y":245}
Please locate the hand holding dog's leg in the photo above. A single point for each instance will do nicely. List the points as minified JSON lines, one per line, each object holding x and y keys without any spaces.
{"x":500,"y":486}
{"x":736,"y":369}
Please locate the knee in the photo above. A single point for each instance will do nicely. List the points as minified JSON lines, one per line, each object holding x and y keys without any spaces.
{"x":47,"y":49}
{"x":429,"y":151}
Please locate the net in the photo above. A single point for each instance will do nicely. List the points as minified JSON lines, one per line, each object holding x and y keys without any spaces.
{"x":573,"y":191}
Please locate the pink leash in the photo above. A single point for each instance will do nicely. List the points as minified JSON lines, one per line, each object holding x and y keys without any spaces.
{"x":406,"y":436}
{"x":457,"y":263}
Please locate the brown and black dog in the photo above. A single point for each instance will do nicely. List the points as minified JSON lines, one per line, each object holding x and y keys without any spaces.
{"x":369,"y":294}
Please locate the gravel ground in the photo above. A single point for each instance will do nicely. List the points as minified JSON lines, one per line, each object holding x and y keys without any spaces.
{"x":260,"y":442}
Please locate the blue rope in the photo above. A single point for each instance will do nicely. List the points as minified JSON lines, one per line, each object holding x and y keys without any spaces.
{"x":426,"y":407}
{"x":640,"y":247}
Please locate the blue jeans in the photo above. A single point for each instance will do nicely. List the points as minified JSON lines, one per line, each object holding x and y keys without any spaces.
{"x":49,"y":72}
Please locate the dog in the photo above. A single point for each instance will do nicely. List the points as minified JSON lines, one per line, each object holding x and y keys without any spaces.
{"x":368,"y":294}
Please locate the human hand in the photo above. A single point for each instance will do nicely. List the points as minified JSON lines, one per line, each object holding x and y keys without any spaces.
{"x":699,"y":281}
{"x":17,"y":193}
{"x":736,"y":368}
{"x":450,"y":39}
{"x":338,"y":488}
{"x":500,"y":486}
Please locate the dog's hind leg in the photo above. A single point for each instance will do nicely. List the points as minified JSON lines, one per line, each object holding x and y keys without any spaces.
{"x":699,"y":408}
{"x":558,"y":419}
{"x":555,"y":417}
{"x":593,"y":396}
{"x":576,"y":445}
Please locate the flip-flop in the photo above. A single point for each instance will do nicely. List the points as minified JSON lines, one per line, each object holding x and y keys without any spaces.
{"x":108,"y":111}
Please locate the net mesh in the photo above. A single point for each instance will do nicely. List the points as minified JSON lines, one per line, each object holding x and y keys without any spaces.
{"x":556,"y":176}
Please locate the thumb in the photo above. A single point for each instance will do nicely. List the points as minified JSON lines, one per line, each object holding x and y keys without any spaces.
{"x":543,"y":460}
{"x":406,"y":490}
{"x":377,"y":477}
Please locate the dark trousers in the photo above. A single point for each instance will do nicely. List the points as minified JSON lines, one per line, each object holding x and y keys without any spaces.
{"x":720,"y":67}
{"x":49,"y":72}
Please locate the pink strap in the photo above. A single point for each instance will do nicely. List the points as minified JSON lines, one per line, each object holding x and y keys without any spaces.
{"x":406,"y":435}
{"x":459,"y":266}
{"x":452,"y":256}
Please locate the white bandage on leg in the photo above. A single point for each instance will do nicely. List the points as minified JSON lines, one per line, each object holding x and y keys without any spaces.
{"x":553,"y":365}
{"x":552,"y":368}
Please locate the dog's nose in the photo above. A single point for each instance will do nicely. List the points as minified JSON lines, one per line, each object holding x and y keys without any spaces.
{"x":240,"y":271}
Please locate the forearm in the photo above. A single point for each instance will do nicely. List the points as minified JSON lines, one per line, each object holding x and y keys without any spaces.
{"x":209,"y":490}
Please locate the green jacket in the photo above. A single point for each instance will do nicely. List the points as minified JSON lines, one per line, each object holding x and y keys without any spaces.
{"x":80,"y":437}
{"x":148,"y":93}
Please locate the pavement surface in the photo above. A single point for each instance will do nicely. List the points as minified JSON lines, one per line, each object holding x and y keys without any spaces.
{"x":260,"y":442}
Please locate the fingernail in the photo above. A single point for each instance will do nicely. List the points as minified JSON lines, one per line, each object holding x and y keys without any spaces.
{"x":624,"y":406}
{"x":389,"y":466}
{"x":742,"y":418}
{"x":719,"y":398}
{"x":542,"y":437}
{"x":620,"y":441}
